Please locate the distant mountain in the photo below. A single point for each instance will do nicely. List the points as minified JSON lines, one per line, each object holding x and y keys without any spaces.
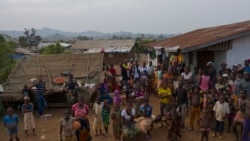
{"x":54,"y":34}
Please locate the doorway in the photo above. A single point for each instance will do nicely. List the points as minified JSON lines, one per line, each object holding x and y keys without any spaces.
{"x":203,"y":57}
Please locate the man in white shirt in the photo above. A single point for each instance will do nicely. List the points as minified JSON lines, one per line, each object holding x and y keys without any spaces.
{"x":150,"y":69}
{"x":221,"y":109}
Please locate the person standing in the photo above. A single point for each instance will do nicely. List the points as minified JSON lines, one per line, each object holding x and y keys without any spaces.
{"x":40,"y":90}
{"x":10,"y":122}
{"x":239,"y":117}
{"x":221,"y":109}
{"x":182,"y":101}
{"x":204,"y":82}
{"x":223,"y":68}
{"x":165,"y":98}
{"x":195,"y":106}
{"x":98,"y":123}
{"x":211,"y":72}
{"x":124,"y":75}
{"x":246,"y":123}
{"x":80,"y":112}
{"x":112,"y":71}
{"x":136,"y":72}
{"x":117,"y":126}
{"x":150,"y":69}
{"x":245,"y":84}
{"x":27,"y":110}
{"x":105,"y":116}
{"x":66,"y":124}
{"x":71,"y":86}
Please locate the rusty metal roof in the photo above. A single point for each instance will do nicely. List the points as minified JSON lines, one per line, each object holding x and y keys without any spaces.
{"x":205,"y":37}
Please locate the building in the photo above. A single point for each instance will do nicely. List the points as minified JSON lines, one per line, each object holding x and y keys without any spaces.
{"x":226,"y":43}
{"x":115,"y":51}
{"x":86,"y":70}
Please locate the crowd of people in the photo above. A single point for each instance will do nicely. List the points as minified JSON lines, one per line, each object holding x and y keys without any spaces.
{"x":210,"y":99}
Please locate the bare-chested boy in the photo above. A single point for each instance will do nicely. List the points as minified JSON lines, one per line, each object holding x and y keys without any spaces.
{"x":204,"y":123}
{"x":195,"y":106}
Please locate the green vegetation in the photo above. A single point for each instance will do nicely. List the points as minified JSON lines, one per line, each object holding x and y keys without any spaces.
{"x":139,"y":44}
{"x":6,"y":63}
{"x":53,"y":49}
{"x":84,"y":38}
{"x":30,"y":38}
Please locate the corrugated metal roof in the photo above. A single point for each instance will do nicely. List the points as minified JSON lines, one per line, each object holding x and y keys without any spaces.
{"x":107,"y":45}
{"x":124,"y":49}
{"x":205,"y":37}
{"x":42,"y":45}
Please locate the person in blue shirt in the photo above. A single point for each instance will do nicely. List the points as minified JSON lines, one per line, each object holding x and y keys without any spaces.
{"x":145,"y":121}
{"x":27,"y":110}
{"x":10,"y":122}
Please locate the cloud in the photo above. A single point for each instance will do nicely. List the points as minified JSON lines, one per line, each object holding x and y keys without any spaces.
{"x":157,"y":16}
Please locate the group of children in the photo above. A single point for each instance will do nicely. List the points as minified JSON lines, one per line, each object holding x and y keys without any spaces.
{"x":11,"y":120}
{"x":208,"y":102}
{"x":220,"y":101}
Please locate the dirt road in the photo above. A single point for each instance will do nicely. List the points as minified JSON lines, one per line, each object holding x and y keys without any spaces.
{"x":48,"y":129}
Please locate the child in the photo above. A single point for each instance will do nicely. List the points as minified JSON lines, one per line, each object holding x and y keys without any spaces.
{"x":221,"y":109}
{"x":10,"y":122}
{"x":174,"y":122}
{"x":117,"y":126}
{"x":231,"y":115}
{"x":106,"y":115}
{"x":239,"y":117}
{"x":182,"y":101}
{"x":204,"y":123}
{"x":195,"y":106}
{"x":27,"y":110}
{"x":246,"y":124}
{"x":117,"y":99}
{"x":98,"y":123}
{"x":26,"y":91}
{"x":66,"y":126}
{"x":165,"y":96}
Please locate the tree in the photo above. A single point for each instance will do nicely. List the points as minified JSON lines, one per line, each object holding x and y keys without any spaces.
{"x":84,"y":38}
{"x":6,"y":63}
{"x":22,"y":41}
{"x":53,"y":49}
{"x":2,"y":39}
{"x":30,"y":38}
{"x":33,"y":32}
{"x":38,"y":38}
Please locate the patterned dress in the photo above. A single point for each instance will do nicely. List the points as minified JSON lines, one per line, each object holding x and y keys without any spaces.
{"x":28,"y":116}
{"x":105,"y":115}
{"x":83,"y":134}
{"x":117,"y":126}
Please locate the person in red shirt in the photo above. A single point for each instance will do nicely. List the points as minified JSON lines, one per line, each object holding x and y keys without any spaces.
{"x":112,"y":70}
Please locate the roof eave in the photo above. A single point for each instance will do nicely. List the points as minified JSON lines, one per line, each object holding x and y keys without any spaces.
{"x":192,"y":48}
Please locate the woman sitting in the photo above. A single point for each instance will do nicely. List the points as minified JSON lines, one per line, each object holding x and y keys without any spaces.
{"x":128,"y":124}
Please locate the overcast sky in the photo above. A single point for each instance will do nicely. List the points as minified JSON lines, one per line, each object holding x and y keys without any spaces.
{"x":138,"y":16}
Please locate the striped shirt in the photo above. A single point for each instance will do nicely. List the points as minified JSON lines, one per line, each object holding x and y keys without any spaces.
{"x":40,"y":88}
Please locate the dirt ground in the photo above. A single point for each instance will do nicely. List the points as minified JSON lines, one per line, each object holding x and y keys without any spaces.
{"x":48,"y":129}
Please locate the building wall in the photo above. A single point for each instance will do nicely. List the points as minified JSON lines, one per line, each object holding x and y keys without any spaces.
{"x":240,"y":51}
{"x":194,"y":60}
{"x":219,"y":57}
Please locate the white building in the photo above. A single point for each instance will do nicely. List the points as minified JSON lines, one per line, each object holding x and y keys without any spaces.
{"x":226,"y":43}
